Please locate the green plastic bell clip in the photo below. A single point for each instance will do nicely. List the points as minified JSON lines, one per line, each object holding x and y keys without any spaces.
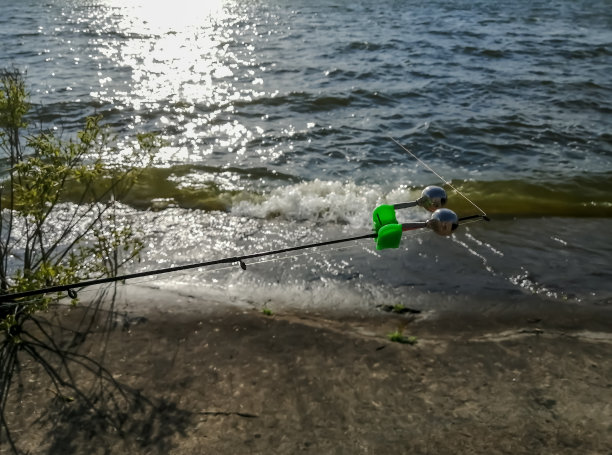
{"x":388,"y":230}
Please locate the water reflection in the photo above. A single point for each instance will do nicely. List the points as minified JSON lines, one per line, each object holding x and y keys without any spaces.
{"x":160,"y":16}
{"x":184,"y":63}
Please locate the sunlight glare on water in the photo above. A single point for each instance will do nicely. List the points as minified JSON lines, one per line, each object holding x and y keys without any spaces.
{"x":181,"y":61}
{"x":163,"y":17}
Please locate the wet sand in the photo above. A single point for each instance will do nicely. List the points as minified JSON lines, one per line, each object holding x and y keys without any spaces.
{"x":527,"y":379}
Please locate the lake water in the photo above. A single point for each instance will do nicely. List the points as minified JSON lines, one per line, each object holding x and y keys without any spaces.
{"x":278,"y":117}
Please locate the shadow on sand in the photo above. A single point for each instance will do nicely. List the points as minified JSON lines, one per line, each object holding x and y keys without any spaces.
{"x":53,"y":359}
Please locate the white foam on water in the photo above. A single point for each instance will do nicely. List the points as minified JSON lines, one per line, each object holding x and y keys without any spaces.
{"x":323,"y":202}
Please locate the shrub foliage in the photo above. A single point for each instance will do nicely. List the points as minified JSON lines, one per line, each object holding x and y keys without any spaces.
{"x":59,"y":223}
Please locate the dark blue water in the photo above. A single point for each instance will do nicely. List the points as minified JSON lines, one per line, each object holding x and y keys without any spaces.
{"x":278,"y":115}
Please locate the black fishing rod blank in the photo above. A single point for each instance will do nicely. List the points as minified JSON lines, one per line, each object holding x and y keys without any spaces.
{"x":228,"y":260}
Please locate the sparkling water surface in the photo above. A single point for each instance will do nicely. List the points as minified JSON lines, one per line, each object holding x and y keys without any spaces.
{"x":278,"y":117}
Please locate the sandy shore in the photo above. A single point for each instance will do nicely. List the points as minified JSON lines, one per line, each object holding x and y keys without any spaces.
{"x":238,"y":381}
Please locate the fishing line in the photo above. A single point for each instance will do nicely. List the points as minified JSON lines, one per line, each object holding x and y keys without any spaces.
{"x":227,"y":260}
{"x":446,"y":182}
{"x":293,"y":256}
{"x":81,"y":286}
{"x":322,"y":252}
{"x":262,"y":261}
{"x":177,"y":275}
{"x":212,"y":270}
{"x":308,"y":253}
{"x":470,"y":220}
{"x":136,"y":282}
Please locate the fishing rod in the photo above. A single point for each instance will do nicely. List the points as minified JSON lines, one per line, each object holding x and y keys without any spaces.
{"x":387,"y":233}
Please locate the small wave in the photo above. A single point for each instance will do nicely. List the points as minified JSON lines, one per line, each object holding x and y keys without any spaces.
{"x":197,"y":187}
{"x":585,"y":53}
{"x":318,"y":201}
{"x":300,"y":101}
{"x":482,"y":52}
{"x":367,"y":46}
{"x":313,"y":103}
{"x":579,"y":196}
{"x":265,"y":193}
{"x":349,"y":203}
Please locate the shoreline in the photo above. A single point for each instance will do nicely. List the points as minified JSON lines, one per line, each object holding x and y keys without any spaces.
{"x":235,"y":380}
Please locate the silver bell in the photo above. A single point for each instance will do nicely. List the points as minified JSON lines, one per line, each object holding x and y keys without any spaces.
{"x":443,"y":222}
{"x":432,"y":198}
